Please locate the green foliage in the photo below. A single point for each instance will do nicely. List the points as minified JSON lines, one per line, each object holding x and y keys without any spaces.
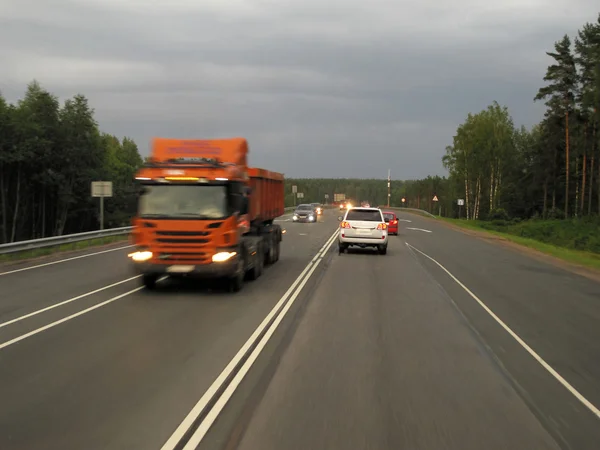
{"x":49,"y":155}
{"x":574,"y":234}
{"x":549,"y":171}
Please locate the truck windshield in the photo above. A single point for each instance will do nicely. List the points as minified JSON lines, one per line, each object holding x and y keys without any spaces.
{"x":202,"y":202}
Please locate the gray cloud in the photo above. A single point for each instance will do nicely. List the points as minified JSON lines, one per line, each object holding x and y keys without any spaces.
{"x":342,"y":88}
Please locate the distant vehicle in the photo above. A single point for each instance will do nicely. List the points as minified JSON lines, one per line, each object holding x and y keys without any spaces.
{"x":305,"y":213}
{"x":363,"y":227}
{"x":345,"y":205}
{"x":318,"y":207}
{"x":392,"y":221}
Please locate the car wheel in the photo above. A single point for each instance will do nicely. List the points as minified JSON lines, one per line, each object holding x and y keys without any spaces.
{"x":383,"y":250}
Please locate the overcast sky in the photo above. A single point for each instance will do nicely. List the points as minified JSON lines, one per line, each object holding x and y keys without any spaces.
{"x":336,"y":88}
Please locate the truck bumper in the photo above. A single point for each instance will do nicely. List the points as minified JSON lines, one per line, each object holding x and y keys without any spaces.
{"x":210,"y":270}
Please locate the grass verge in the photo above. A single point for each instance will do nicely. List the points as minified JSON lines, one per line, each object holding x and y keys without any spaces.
{"x":584,"y":258}
{"x":46,"y":251}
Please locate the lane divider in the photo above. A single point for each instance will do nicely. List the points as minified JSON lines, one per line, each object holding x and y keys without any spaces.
{"x":48,"y":308}
{"x":418,"y":229}
{"x":516,"y":337}
{"x":72,"y":316}
{"x":196,"y":424}
{"x":64,"y":260}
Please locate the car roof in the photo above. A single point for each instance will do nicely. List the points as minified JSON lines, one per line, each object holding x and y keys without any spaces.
{"x":388,"y":212}
{"x":364,"y":208}
{"x":303,"y":204}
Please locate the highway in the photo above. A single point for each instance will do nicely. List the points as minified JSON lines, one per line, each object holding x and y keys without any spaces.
{"x":446,"y":342}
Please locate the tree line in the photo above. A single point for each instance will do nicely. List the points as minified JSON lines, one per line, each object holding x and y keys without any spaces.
{"x":49,"y":155}
{"x":416,"y":193}
{"x":551,"y":170}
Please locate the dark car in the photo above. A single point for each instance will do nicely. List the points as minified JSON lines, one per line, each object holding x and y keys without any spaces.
{"x":305,"y":213}
{"x":318,"y":207}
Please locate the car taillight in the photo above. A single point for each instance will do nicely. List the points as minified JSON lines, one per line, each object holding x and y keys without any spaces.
{"x":345,"y":225}
{"x":382,"y":226}
{"x":395,"y":222}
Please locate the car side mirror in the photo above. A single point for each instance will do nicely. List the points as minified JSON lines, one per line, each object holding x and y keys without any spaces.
{"x":340,"y":218}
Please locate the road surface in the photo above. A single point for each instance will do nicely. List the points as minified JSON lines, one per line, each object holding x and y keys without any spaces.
{"x":372,"y":351}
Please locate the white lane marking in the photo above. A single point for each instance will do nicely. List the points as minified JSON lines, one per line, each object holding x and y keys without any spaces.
{"x":87,"y":294}
{"x":521,"y":342}
{"x":65,"y":319}
{"x":404,"y":220}
{"x":178,"y":434}
{"x":303,"y":234}
{"x":64,"y":260}
{"x":419,"y":229}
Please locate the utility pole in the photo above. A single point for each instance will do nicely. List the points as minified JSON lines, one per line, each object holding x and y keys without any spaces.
{"x":389,"y":193}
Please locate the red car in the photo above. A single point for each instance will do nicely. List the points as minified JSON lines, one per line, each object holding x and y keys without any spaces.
{"x":392,"y":220}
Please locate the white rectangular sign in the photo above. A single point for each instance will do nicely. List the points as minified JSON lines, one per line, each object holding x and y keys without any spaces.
{"x":461,"y":202}
{"x":102,"y":189}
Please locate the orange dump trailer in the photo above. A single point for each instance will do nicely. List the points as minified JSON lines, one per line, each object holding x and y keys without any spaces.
{"x":203,"y":212}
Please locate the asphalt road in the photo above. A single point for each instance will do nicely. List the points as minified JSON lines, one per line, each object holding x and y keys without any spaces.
{"x":375,"y":352}
{"x":391,"y":353}
{"x":123,"y":375}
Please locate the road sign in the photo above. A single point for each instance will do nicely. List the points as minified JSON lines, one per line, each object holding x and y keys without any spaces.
{"x":339,"y":197}
{"x":294,"y":189}
{"x":300,"y":194}
{"x":461,"y":202}
{"x":327,"y":196}
{"x":102,"y":189}
{"x":435,"y":199}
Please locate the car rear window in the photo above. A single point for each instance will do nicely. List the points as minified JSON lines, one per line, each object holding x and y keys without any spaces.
{"x":362,"y":214}
{"x":388,"y":216}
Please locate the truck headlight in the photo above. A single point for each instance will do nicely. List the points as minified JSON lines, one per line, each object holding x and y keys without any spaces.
{"x":223,"y":256}
{"x":141,"y":256}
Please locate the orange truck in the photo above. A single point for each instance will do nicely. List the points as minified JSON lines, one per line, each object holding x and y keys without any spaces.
{"x":203,"y":212}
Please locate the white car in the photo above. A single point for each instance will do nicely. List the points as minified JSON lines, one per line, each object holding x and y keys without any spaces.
{"x":363,"y":227}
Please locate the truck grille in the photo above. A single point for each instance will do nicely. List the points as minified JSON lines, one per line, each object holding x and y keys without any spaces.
{"x":182,"y":237}
{"x":178,"y":257}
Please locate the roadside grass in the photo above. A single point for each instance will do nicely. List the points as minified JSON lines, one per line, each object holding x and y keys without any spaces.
{"x":576,"y":241}
{"x":47,"y":251}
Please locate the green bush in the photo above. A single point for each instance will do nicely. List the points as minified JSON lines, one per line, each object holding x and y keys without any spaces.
{"x":498,"y":214}
{"x":577,"y":234}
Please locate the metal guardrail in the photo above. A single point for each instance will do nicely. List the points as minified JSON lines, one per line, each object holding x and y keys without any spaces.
{"x":22,"y":246}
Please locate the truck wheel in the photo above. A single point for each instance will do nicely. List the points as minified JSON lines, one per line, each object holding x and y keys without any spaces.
{"x":271,"y":253}
{"x":149,"y":281}
{"x":236,"y":282}
{"x":277,"y":250}
{"x":257,"y":270}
